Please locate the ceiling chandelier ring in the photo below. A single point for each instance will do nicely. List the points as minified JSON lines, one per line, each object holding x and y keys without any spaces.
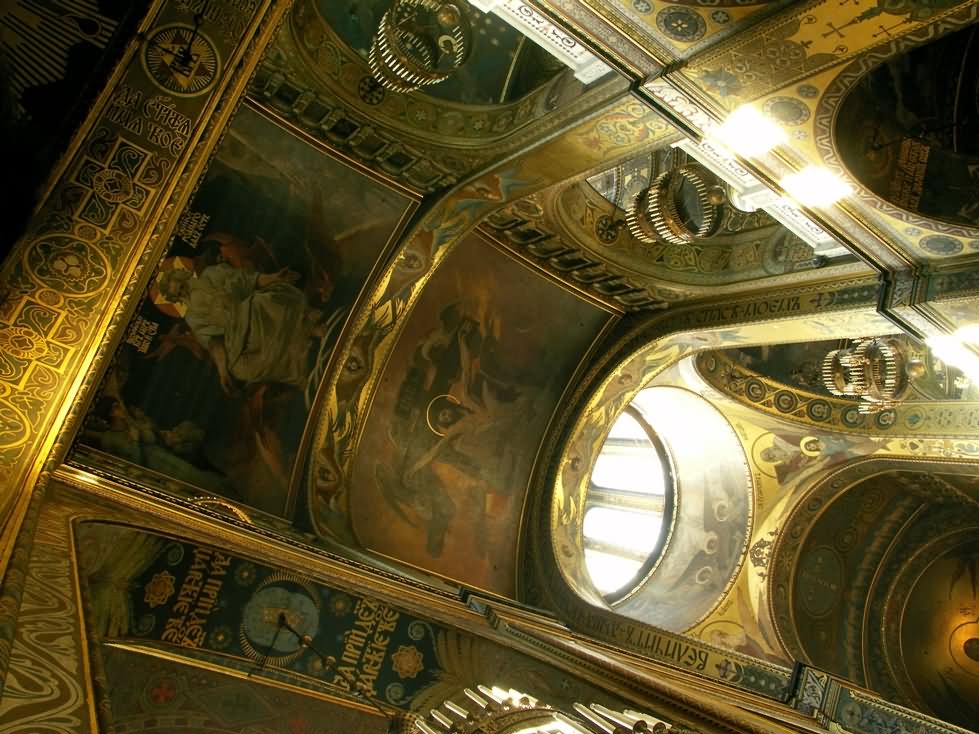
{"x":407,"y":53}
{"x":663,"y":210}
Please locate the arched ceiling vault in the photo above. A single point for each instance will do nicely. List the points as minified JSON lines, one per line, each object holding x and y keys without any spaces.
{"x":873,"y":580}
{"x":462,"y":289}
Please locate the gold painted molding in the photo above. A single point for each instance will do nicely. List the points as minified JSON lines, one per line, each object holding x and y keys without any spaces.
{"x":68,"y":285}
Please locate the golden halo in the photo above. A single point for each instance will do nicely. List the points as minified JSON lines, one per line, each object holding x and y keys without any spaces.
{"x":434,"y":406}
{"x":170,"y":308}
{"x":815,"y":453}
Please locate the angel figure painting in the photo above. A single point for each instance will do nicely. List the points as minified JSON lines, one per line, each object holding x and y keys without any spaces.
{"x":220,"y":367}
{"x":451,"y":438}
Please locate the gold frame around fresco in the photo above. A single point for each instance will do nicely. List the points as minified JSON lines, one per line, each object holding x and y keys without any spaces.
{"x":47,"y":437}
{"x":411,"y":202}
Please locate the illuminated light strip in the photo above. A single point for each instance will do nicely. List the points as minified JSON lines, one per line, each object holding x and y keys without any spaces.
{"x":586,"y":66}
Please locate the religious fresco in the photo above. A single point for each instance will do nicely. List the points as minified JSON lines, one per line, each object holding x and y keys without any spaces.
{"x":908,"y":131}
{"x":221,"y":364}
{"x":447,"y":449}
{"x":155,"y":593}
{"x":147,"y":693}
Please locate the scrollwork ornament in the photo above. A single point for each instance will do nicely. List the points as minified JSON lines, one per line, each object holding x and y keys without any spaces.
{"x":67,"y":265}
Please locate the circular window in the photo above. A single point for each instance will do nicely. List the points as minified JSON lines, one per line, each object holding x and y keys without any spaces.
{"x":627,"y":507}
{"x":651,"y":509}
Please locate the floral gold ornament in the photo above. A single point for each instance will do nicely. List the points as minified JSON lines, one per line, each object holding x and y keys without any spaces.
{"x":407,"y":661}
{"x":418,"y":43}
{"x":159,"y":589}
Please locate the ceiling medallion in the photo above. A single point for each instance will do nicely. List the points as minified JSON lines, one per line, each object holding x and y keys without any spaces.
{"x":420,"y":42}
{"x":678,"y":207}
{"x":871,"y":370}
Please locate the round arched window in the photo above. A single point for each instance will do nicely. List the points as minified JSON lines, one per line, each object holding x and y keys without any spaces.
{"x":628,"y":506}
{"x":652,"y":515}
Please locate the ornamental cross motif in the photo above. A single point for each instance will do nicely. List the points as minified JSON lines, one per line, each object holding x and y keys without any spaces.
{"x":111,"y":185}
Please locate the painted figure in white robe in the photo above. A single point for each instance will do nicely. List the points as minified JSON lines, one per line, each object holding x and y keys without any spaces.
{"x":256,"y":326}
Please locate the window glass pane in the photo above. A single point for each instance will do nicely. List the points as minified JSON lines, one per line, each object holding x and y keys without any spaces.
{"x":609,"y":573}
{"x":626,"y":426}
{"x":624,"y":516}
{"x":637,"y":531}
{"x":629,"y":468}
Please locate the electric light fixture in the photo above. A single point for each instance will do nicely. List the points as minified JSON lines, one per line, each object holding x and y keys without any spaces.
{"x":952,"y":350}
{"x":815,"y":186}
{"x":747,"y":133}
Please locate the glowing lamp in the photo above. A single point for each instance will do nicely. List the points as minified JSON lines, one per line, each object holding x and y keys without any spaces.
{"x":747,"y":133}
{"x":815,"y":186}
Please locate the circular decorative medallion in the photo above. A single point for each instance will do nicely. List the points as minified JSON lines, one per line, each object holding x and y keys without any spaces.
{"x":886,"y":418}
{"x":755,"y":390}
{"x":113,"y":185}
{"x":181,"y":59}
{"x":938,"y":244}
{"x":821,"y":581}
{"x":606,"y":229}
{"x":22,"y":342}
{"x":720,"y":17}
{"x":68,"y":265}
{"x":808,"y":91}
{"x":786,"y":401}
{"x":642,"y":6}
{"x":852,"y":417}
{"x":819,"y":410}
{"x":786,"y":110}
{"x":681,"y":24}
{"x":370,"y":91}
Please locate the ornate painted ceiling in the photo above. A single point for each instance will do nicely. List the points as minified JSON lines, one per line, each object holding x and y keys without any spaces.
{"x":398,"y":327}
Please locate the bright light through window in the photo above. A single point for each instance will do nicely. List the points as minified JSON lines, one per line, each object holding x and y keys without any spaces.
{"x":628,"y":461}
{"x":626,"y":505}
{"x":610,"y":572}
{"x":637,"y":531}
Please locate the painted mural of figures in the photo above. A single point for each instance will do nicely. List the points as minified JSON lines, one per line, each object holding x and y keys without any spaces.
{"x":131,"y":435}
{"x":238,"y":327}
{"x":469,"y":414}
{"x":257,"y":327}
{"x":788,"y":457}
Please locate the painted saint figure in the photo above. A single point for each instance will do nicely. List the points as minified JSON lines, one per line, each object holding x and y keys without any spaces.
{"x":256,"y":326}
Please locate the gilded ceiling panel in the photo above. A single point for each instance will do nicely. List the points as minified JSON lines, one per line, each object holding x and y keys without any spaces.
{"x":156,"y":605}
{"x":786,"y":381}
{"x":840,"y":80}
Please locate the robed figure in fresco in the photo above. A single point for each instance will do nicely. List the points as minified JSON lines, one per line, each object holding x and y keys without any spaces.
{"x":238,"y":326}
{"x":257,"y":327}
{"x":459,"y":414}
